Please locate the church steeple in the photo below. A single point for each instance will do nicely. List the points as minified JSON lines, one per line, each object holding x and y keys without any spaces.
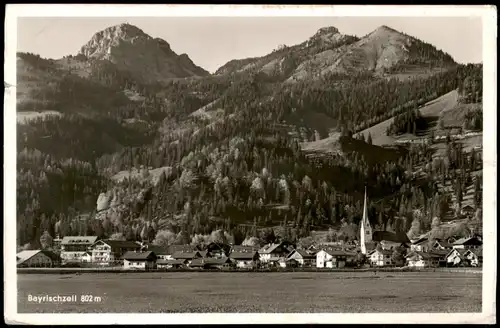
{"x":366,"y":230}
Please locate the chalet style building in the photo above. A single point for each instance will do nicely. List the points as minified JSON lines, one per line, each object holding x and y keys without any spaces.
{"x":107,"y":251}
{"x":37,"y":258}
{"x":139,"y":260}
{"x":77,"y":248}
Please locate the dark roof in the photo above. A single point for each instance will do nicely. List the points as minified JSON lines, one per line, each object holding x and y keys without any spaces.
{"x":444,"y":243}
{"x":243,"y":255}
{"x":218,"y":246}
{"x":303,"y":253}
{"x":53,"y":256}
{"x":209,"y":261}
{"x":397,"y":237}
{"x":424,"y":255}
{"x":182,"y":248}
{"x":242,"y":249}
{"x":130,"y":255}
{"x":477,"y":251}
{"x":157,"y":249}
{"x":471,"y":240}
{"x":119,"y":243}
{"x":185,"y":255}
{"x":179,"y":261}
{"x":79,"y":240}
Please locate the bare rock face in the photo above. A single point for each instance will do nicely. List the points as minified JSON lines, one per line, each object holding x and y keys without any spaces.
{"x":148,"y":59}
{"x":103,"y":201}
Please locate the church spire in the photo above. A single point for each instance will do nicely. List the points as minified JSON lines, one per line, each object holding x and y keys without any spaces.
{"x":366,"y":230}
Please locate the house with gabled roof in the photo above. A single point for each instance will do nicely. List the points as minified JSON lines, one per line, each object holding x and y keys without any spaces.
{"x":139,"y":260}
{"x":188,"y":256}
{"x":442,"y":245}
{"x":456,"y":257}
{"x":466,"y":243}
{"x":109,"y":251}
{"x":303,"y":257}
{"x":419,"y":259}
{"x":329,"y":257}
{"x":474,"y":256}
{"x":171,"y":264}
{"x":380,"y":257}
{"x":245,"y":260}
{"x":273,"y":252}
{"x":211,"y":263}
{"x":37,"y":258}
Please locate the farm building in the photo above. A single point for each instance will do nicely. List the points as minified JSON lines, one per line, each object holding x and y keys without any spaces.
{"x":272,"y":251}
{"x":391,"y":240}
{"x":139,"y":260}
{"x":418,"y":259}
{"x":475,"y":256}
{"x":456,"y":257}
{"x":173,"y":249}
{"x":332,"y":258}
{"x":37,"y":258}
{"x":211,"y":263}
{"x":245,"y":260}
{"x":108,"y":251}
{"x":380,"y":257}
{"x":467,"y":243}
{"x":189,"y":256}
{"x":303,"y":257}
{"x":170,"y":264}
{"x":74,"y":248}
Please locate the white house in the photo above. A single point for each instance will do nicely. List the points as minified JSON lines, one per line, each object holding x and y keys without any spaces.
{"x":245,"y":260}
{"x":332,"y":258}
{"x":271,"y":252}
{"x":77,"y":248}
{"x":303,"y":257}
{"x":107,"y":251}
{"x":380,"y":257}
{"x":456,"y":257}
{"x":419,"y":259}
{"x":139,"y":260}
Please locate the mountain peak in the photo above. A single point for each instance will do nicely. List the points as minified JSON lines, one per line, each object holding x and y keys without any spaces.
{"x":150,"y":59}
{"x":327,"y":30}
{"x":385,"y":29}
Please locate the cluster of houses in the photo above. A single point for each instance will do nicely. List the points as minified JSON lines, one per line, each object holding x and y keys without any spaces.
{"x":91,"y":251}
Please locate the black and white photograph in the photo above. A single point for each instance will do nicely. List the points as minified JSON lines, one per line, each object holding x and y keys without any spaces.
{"x":254,"y":163}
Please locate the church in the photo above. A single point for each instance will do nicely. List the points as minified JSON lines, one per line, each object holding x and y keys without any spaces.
{"x":369,"y":238}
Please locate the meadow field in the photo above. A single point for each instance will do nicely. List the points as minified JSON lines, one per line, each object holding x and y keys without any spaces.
{"x":319,"y":292}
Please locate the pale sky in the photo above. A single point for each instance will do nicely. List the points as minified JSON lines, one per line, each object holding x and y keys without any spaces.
{"x":212,"y":41}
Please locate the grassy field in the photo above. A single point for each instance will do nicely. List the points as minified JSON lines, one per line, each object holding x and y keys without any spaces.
{"x":325,"y":292}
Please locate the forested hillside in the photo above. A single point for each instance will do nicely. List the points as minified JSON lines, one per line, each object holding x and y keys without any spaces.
{"x":224,"y":151}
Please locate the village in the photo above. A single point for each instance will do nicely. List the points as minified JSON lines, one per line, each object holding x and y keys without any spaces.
{"x":88,"y":251}
{"x":375,"y":249}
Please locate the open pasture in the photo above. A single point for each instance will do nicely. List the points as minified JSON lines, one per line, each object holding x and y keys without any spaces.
{"x":319,"y":292}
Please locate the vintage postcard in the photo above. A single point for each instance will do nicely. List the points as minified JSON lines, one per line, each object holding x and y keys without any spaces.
{"x":249,"y":164}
